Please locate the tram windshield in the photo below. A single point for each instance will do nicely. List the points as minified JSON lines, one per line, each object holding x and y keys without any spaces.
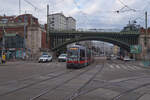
{"x":73,"y":52}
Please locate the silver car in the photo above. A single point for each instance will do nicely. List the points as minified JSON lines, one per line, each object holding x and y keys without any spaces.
{"x":45,"y":58}
{"x":62,"y":58}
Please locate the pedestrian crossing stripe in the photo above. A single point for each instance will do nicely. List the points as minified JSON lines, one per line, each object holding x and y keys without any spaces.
{"x":111,"y":66}
{"x":131,"y":67}
{"x":118,"y":66}
{"x":134,"y":67}
{"x":126,"y":67}
{"x":137,"y":67}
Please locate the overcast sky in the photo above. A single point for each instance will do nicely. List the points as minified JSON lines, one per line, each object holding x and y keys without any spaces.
{"x":88,"y":13}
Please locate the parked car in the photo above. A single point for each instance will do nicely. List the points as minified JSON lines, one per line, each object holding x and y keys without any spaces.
{"x":62,"y":57}
{"x":45,"y":58}
{"x":126,"y":58}
{"x":114,"y":58}
{"x":108,"y":58}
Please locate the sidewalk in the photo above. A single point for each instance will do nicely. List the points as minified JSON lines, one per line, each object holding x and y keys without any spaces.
{"x":142,"y":64}
{"x":16,"y":61}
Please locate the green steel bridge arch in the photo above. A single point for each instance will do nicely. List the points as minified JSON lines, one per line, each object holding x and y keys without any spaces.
{"x":122,"y":39}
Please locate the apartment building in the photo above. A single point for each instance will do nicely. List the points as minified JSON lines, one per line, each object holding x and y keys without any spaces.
{"x":71,"y":23}
{"x":59,"y":22}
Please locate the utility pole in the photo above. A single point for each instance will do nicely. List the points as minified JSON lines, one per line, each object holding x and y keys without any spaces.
{"x":47,"y":22}
{"x":47,"y":30}
{"x":25,"y":22}
{"x":145,"y":40}
{"x":3,"y":40}
{"x":19,"y":7}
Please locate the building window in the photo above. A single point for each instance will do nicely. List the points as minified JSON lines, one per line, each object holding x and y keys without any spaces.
{"x":52,"y":22}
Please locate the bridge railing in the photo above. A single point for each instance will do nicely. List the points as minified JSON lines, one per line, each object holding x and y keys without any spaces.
{"x":87,"y":31}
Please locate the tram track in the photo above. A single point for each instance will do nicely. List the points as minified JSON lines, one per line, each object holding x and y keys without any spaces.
{"x":31,"y":77}
{"x":82,"y":90}
{"x":79,"y":90}
{"x":118,"y":97}
{"x":105,"y":84}
{"x":38,"y":82}
{"x":115,"y":83}
{"x":61,"y":84}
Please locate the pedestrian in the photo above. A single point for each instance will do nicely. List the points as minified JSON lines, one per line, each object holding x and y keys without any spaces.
{"x":0,"y":59}
{"x":3,"y":58}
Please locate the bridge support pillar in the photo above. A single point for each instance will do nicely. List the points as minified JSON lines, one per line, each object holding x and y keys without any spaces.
{"x":145,"y":54}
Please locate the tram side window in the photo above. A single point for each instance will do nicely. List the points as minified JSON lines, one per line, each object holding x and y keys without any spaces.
{"x":82,"y":54}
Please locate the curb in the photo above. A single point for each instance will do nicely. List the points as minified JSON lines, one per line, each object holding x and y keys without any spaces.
{"x":140,"y":64}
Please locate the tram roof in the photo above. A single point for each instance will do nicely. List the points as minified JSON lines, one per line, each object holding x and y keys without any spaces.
{"x":78,"y":46}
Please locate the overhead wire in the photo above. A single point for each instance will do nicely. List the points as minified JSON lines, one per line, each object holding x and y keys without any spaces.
{"x":88,"y":20}
{"x":81,"y":12}
{"x":126,"y":6}
{"x":142,"y":12}
{"x":31,"y":4}
{"x":85,"y":15}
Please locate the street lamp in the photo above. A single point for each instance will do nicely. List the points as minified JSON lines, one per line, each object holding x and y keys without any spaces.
{"x":103,"y":49}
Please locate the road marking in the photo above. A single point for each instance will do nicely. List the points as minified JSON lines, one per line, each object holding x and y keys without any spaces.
{"x":135,"y":67}
{"x":124,"y":67}
{"x":138,"y":67}
{"x":131,"y":67}
{"x":117,"y":66}
{"x":111,"y":66}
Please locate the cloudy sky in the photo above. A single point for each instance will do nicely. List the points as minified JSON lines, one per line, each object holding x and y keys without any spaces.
{"x":88,"y":13}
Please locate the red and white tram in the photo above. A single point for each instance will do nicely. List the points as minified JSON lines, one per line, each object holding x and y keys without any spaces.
{"x":78,"y":56}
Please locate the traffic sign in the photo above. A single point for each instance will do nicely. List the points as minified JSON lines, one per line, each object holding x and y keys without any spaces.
{"x":135,"y":49}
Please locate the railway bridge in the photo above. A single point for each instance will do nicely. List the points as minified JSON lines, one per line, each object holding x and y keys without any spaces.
{"x":59,"y":39}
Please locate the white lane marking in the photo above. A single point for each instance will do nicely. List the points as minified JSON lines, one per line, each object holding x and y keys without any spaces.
{"x":124,"y":67}
{"x":117,"y":66}
{"x":137,"y":67}
{"x":131,"y":67}
{"x":111,"y":66}
{"x":127,"y":67}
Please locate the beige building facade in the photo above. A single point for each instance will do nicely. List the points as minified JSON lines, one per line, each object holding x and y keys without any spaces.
{"x":59,"y":22}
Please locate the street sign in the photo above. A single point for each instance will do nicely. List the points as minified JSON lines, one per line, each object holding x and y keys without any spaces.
{"x":135,"y":49}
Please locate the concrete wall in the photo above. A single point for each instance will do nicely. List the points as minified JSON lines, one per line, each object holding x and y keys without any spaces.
{"x":33,"y":41}
{"x":145,"y":54}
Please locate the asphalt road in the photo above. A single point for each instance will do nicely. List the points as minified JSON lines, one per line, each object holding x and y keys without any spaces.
{"x":102,"y":80}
